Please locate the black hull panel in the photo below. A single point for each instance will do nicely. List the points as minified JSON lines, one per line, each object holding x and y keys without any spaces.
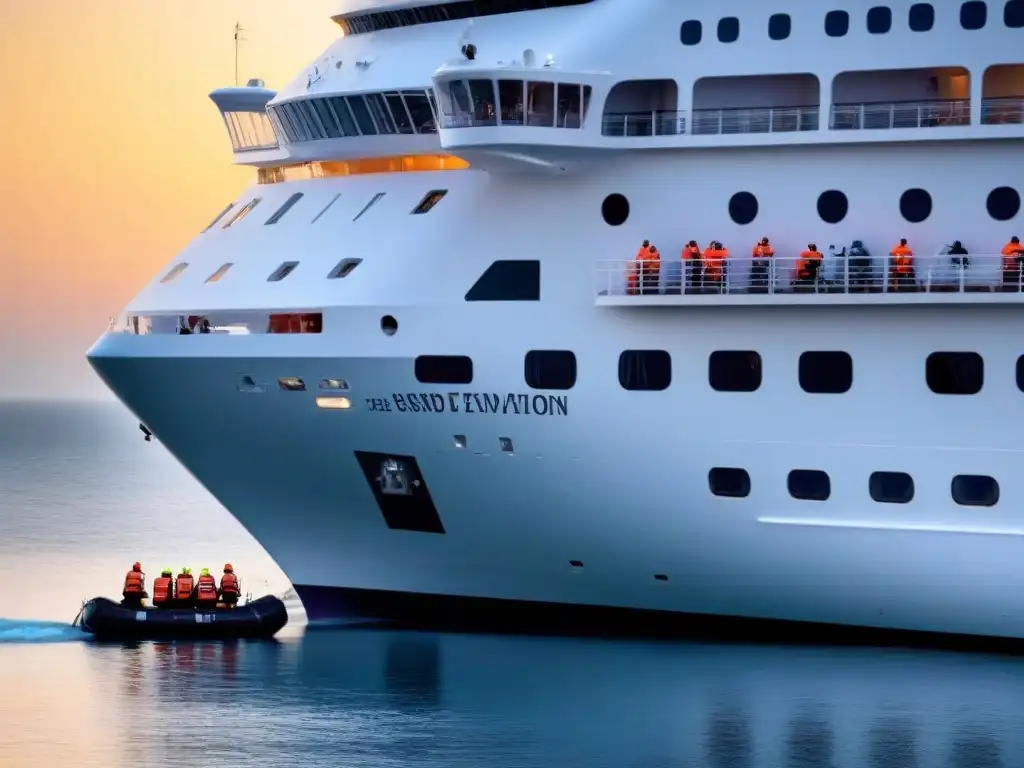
{"x":109,"y":620}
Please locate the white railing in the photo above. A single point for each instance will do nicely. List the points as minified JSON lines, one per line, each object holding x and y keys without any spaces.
{"x":1002,"y":111}
{"x":908,"y":114}
{"x":512,"y":118}
{"x":835,"y":274}
{"x":654,"y":123}
{"x":754,"y":120}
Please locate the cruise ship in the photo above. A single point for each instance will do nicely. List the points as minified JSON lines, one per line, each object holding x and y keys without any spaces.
{"x":438,"y":386}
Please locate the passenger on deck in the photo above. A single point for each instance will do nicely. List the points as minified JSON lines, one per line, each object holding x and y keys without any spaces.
{"x":715,"y":266}
{"x":693,"y":269}
{"x":1013,"y":253}
{"x":134,"y":587}
{"x":808,"y":268}
{"x":206,"y":590}
{"x":163,"y":588}
{"x":229,"y":586}
{"x":183,"y":586}
{"x":650,"y":271}
{"x":760,"y":267}
{"x":633,"y":270}
{"x":860,"y":268}
{"x":901,"y":268}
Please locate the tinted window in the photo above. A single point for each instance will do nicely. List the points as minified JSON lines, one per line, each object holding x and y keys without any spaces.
{"x":879,"y":20}
{"x":955,"y":373}
{"x":779,"y":26}
{"x":826,"y":372}
{"x":975,"y":491}
{"x":837,"y":23}
{"x":973,"y":14}
{"x":728,"y":29}
{"x":921,"y":17}
{"x":730,"y":371}
{"x":729,"y":481}
{"x":891,"y":487}
{"x":809,"y":484}
{"x":550,"y":369}
{"x":645,"y":369}
{"x":284,"y":208}
{"x":507,"y":281}
{"x":1020,"y":373}
{"x":690,"y":32}
{"x":1013,"y":14}
{"x":444,"y":369}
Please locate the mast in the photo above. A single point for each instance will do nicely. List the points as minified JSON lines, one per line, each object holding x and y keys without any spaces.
{"x":238,"y":39}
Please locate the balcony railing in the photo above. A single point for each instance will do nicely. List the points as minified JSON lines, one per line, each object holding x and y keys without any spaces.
{"x":836,"y":274}
{"x":654,"y":123}
{"x":1002,"y":111}
{"x":756,"y":120}
{"x":908,"y":114}
{"x":539,"y":119}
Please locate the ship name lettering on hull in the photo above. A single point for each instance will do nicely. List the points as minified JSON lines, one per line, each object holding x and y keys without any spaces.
{"x":513,"y":403}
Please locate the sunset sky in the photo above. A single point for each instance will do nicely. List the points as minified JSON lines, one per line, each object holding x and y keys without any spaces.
{"x":115,"y":157}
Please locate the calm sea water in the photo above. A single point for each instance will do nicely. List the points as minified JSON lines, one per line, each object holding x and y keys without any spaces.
{"x":82,"y":496}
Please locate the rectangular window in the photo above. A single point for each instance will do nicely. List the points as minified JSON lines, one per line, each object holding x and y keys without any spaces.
{"x":432,"y":198}
{"x":284,"y":208}
{"x":173,"y":274}
{"x":295,"y":322}
{"x":344,"y":268}
{"x":443,"y":369}
{"x":220,"y":216}
{"x":282,"y":272}
{"x":243,"y":212}
{"x":370,"y":204}
{"x":219,"y":273}
{"x":323,"y":210}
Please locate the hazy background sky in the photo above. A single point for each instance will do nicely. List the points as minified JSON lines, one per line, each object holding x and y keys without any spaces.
{"x":114,"y":157}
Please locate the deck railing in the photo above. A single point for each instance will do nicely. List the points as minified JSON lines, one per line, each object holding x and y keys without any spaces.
{"x":1002,"y":111}
{"x":654,"y":123}
{"x":755,"y":120}
{"x":935,"y":113}
{"x":836,"y":274}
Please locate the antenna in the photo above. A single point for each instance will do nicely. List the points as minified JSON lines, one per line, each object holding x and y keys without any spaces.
{"x":238,"y":39}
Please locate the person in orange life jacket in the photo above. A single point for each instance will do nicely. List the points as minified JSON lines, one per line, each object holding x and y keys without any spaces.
{"x":163,"y":588}
{"x":1013,"y":254}
{"x":650,"y":271}
{"x":206,"y":590}
{"x":134,"y":587}
{"x":183,"y":587}
{"x":692,"y":266}
{"x":715,"y":256}
{"x":901,"y":268}
{"x":808,"y":266}
{"x":229,"y":586}
{"x":633,"y":270}
{"x":760,"y":266}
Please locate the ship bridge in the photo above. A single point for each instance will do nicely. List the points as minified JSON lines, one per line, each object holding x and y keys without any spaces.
{"x":244,"y":110}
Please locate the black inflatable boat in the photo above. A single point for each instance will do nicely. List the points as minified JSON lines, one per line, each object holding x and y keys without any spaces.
{"x":109,"y":620}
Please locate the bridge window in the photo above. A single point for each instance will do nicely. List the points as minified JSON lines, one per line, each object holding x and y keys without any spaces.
{"x":443,"y":369}
{"x":691,"y":32}
{"x":361,"y":113}
{"x":879,"y":20}
{"x":174,"y":273}
{"x":1013,"y":14}
{"x":220,"y":216}
{"x":779,"y":26}
{"x":955,"y":373}
{"x":973,"y":14}
{"x":344,"y":268}
{"x":921,"y":17}
{"x":327,"y":119}
{"x":431,"y":199}
{"x":296,"y":322}
{"x":550,"y":369}
{"x":728,"y":29}
{"x":734,"y":371}
{"x":731,"y":482}
{"x":828,"y":373}
{"x":645,"y":370}
{"x":280,"y":212}
{"x":809,"y":485}
{"x":221,"y":271}
{"x":419,"y":110}
{"x":282,"y":272}
{"x":242,"y":212}
{"x":507,"y":280}
{"x":975,"y":491}
{"x":451,"y":11}
{"x":396,"y":107}
{"x":837,"y":23}
{"x":346,"y":119}
{"x":891,"y":487}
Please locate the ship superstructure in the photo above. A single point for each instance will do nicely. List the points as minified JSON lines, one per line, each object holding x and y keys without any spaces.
{"x":427,"y":375}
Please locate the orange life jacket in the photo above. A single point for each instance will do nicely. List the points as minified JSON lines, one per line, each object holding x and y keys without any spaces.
{"x":229,"y":584}
{"x":206,"y":589}
{"x":713,"y":258}
{"x":902,"y":258}
{"x":803,"y":267}
{"x":691,"y":252}
{"x":763,"y":251}
{"x":1011,"y":251}
{"x":162,"y":589}
{"x":134,"y":583}
{"x":183,"y":587}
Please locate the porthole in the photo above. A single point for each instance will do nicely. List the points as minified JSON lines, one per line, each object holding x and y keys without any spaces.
{"x":973,"y":14}
{"x":1003,"y":203}
{"x":742,"y":208}
{"x":955,"y":373}
{"x":828,"y":373}
{"x":550,"y":369}
{"x":921,"y":17}
{"x":691,"y":32}
{"x":879,"y":20}
{"x":734,"y":371}
{"x":915,"y":205}
{"x":837,"y":23}
{"x":646,"y":370}
{"x":1013,"y":14}
{"x":443,"y":369}
{"x":832,"y":206}
{"x":389,"y":325}
{"x":1020,"y":373}
{"x":615,"y":209}
{"x":809,"y":485}
{"x":891,"y":487}
{"x":729,"y":481}
{"x":728,"y":29}
{"x":779,"y":26}
{"x":974,"y":491}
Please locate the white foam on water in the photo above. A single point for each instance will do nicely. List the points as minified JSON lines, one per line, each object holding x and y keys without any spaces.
{"x":28,"y":631}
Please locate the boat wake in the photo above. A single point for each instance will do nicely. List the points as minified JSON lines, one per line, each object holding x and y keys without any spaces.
{"x":29,"y":631}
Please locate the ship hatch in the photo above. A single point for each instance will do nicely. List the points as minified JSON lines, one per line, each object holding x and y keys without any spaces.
{"x":400,"y":492}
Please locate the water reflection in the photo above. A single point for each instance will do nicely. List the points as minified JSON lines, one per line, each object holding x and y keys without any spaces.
{"x":730,"y":740}
{"x":893,"y":744}
{"x":412,"y":671}
{"x":972,"y":749}
{"x":810,"y":741}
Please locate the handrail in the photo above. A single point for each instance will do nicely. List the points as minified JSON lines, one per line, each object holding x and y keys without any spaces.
{"x":1006,"y":110}
{"x":931,"y":113}
{"x":836,"y":274}
{"x":755,"y":120}
{"x":653,"y":123}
